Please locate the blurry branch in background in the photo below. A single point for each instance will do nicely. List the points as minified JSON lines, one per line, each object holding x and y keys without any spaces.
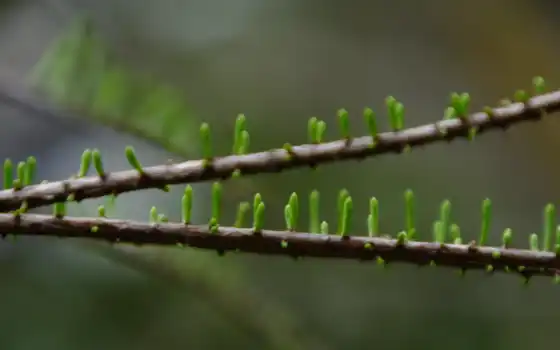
{"x":38,"y":111}
{"x":457,"y":125}
{"x":257,"y":316}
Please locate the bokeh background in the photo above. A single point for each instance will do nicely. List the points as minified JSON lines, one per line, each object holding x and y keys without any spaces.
{"x":279,"y":62}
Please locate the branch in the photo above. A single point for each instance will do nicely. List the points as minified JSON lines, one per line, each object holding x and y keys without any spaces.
{"x":279,"y":159}
{"x":235,"y":301}
{"x":526,"y":262}
{"x":69,"y":119}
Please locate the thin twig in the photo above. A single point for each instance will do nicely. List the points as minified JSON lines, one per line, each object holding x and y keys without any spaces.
{"x":278,"y":159}
{"x":235,"y":301}
{"x":69,"y":120}
{"x":526,"y":262}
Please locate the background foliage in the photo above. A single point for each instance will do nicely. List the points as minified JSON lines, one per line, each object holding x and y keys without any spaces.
{"x":147,"y":73}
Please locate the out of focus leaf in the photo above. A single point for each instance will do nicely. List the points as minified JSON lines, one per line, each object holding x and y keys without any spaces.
{"x":80,"y":73}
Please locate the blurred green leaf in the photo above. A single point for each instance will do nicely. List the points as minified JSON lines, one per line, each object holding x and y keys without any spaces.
{"x":79,"y":72}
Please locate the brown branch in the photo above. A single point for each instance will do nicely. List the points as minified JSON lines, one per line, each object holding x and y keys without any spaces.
{"x":278,"y":159}
{"x":293,"y":244}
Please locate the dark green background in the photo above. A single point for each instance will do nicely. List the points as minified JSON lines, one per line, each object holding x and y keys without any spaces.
{"x":279,"y":62}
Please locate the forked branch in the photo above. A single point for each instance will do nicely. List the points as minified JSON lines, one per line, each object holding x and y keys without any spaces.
{"x":295,"y":244}
{"x":106,"y":183}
